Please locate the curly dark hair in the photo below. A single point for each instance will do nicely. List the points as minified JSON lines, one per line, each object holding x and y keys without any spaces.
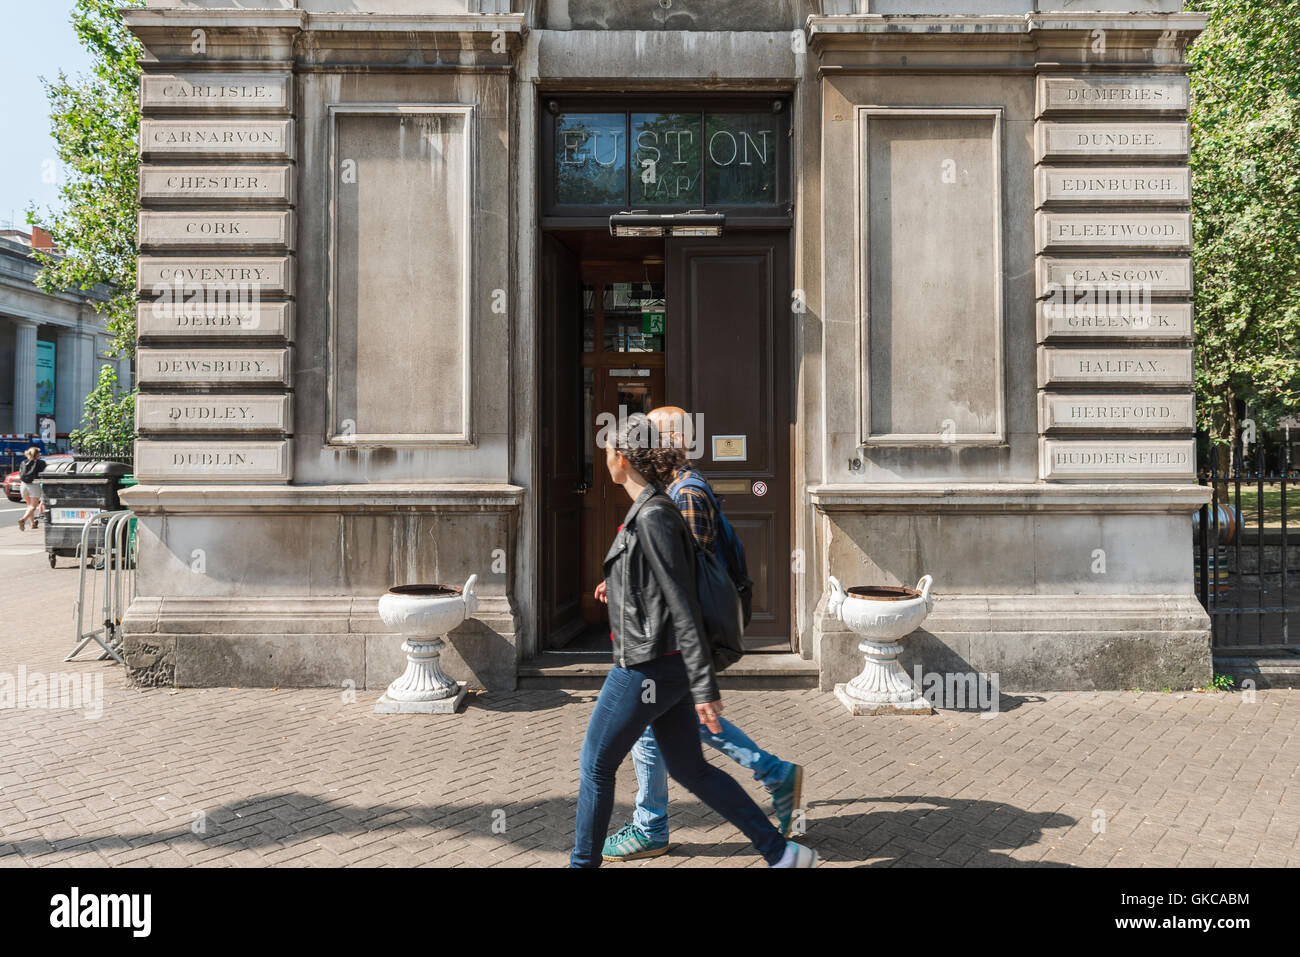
{"x":638,"y":440}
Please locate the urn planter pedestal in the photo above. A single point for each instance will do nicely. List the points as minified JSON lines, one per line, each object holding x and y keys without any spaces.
{"x":424,"y":614}
{"x":883,"y":616}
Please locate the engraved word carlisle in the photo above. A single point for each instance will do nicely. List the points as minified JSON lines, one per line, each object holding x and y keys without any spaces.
{"x":1134,"y":413}
{"x":217,"y":461}
{"x":1112,"y":94}
{"x":1071,"y":280}
{"x":1155,"y":367}
{"x":272,"y":139}
{"x":1100,"y":185}
{"x":210,"y":92}
{"x":260,"y":276}
{"x":1149,"y":320}
{"x":1171,"y":231}
{"x":203,"y":318}
{"x":213,"y":367}
{"x":1109,"y":140}
{"x":1117,"y":458}
{"x":214,"y":413}
{"x":205,"y":230}
{"x":215,"y":184}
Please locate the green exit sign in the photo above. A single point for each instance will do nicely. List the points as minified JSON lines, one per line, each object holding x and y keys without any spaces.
{"x":652,"y":323}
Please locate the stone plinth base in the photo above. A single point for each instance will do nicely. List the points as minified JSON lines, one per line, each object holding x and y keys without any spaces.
{"x":860,"y":708}
{"x":451,"y":705}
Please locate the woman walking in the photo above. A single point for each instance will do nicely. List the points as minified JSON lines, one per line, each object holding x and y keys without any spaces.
{"x":29,"y":474}
{"x":663,"y":673}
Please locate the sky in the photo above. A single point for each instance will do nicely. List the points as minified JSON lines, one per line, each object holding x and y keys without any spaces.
{"x":36,"y":40}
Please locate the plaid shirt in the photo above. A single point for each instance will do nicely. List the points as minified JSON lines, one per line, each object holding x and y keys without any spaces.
{"x":695,"y":505}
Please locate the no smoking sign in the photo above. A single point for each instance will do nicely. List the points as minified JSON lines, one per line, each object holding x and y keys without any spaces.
{"x":760,"y":488}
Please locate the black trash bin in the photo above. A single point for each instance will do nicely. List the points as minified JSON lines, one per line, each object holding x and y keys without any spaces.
{"x":74,"y":497}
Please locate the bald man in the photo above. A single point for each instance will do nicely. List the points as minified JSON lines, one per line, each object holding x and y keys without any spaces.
{"x":646,"y":835}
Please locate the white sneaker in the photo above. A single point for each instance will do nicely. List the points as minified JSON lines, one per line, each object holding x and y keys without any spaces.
{"x":796,"y":855}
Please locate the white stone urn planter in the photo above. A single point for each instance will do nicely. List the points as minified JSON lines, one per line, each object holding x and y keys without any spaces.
{"x":883,"y":615}
{"x":424,"y":614}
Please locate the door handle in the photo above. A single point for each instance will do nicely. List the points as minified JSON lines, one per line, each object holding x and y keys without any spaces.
{"x":581,"y":488}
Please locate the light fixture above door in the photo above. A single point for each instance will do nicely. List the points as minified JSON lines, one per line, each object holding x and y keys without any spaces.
{"x":641,"y":222}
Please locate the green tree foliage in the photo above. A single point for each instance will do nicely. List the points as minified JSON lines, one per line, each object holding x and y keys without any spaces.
{"x":108,"y":422}
{"x":96,"y":121}
{"x":1245,"y":125}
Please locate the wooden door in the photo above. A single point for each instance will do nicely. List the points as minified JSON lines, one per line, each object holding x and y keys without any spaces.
{"x":561,"y":453}
{"x":729,"y":360}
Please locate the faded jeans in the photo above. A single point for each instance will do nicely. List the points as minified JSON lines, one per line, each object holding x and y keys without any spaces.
{"x":651,"y":814}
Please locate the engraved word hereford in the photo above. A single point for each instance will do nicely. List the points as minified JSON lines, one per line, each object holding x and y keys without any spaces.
{"x":1136,"y":413}
{"x":1158,"y":367}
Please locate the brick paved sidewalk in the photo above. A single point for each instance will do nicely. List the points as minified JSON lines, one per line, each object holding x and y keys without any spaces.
{"x":251,"y":777}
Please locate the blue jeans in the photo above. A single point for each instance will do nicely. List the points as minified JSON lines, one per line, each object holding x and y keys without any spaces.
{"x":651,"y":814}
{"x":621,"y":714}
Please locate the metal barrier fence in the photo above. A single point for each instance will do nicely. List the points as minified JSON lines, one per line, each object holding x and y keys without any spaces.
{"x":1243,"y":555}
{"x":107,"y":558}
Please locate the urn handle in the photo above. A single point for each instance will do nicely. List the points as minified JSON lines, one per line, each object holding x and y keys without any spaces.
{"x":837,"y":597}
{"x":467,"y":593}
{"x":923,"y":586}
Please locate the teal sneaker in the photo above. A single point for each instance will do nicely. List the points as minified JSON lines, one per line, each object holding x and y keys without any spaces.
{"x":786,"y":797}
{"x":631,"y":843}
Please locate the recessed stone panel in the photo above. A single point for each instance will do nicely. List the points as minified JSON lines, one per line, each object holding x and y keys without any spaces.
{"x":1117,"y":320}
{"x":1105,"y":185}
{"x":1080,"y":412}
{"x":215,"y":185}
{"x":214,"y":461}
{"x":1137,"y":231}
{"x":1118,"y":458}
{"x":213,"y":367}
{"x":214,"y":413}
{"x":1153,"y":93}
{"x":1155,"y":367}
{"x":1070,"y":280}
{"x":212,"y":319}
{"x":254,"y":276}
{"x":217,"y":92}
{"x":222,"y":230}
{"x":1105,"y":139}
{"x":265,"y":139}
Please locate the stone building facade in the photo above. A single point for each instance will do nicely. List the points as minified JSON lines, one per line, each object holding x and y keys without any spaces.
{"x":946,"y":328}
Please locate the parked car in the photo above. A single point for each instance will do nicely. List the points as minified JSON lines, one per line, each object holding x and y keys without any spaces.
{"x":60,"y":462}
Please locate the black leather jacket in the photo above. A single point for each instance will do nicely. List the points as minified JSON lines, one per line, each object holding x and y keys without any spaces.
{"x":650,"y":584}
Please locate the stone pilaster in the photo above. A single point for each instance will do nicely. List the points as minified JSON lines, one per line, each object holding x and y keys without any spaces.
{"x":216,"y":272}
{"x":1113,"y":236}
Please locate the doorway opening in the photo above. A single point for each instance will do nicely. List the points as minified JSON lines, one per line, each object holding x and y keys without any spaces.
{"x":632,"y":324}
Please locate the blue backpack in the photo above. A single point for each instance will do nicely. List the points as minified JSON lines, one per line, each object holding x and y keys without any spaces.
{"x":729,"y":549}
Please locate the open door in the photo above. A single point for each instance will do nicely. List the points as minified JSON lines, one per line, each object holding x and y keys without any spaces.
{"x":562,"y":435}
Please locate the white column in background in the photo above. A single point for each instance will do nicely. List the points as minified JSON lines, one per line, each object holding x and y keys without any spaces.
{"x":24,"y":376}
